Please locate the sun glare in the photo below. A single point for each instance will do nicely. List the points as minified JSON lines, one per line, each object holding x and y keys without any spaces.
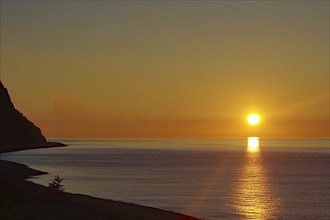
{"x":253,"y":144}
{"x":253,"y":119}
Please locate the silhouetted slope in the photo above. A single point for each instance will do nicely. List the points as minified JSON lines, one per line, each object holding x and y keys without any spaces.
{"x":16,"y":131}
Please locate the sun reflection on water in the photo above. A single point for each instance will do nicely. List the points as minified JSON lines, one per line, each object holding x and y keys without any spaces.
{"x":253,"y":144}
{"x":253,"y":195}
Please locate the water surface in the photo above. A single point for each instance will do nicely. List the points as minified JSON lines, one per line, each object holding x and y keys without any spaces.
{"x":206,"y":178}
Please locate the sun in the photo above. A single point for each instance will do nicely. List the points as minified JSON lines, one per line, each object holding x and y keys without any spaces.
{"x":253,"y":119}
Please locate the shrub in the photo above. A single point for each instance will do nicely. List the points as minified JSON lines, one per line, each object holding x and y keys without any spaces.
{"x":56,"y":183}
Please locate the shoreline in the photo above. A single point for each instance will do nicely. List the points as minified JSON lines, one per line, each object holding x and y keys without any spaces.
{"x":13,"y":148}
{"x":22,"y":199}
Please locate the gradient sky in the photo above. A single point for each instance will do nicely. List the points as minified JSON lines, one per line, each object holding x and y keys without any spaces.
{"x":168,"y":69}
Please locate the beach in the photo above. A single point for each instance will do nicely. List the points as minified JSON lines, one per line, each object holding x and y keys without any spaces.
{"x":21,"y":199}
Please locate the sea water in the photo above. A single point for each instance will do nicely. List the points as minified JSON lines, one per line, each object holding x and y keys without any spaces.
{"x":206,"y":178}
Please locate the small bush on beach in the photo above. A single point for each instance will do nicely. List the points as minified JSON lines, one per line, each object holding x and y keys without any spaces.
{"x":56,"y":183}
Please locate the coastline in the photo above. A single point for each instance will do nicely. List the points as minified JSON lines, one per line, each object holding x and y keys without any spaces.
{"x":22,"y":199}
{"x":12,"y":148}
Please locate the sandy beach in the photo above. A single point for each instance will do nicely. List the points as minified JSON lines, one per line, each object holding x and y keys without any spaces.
{"x":21,"y":199}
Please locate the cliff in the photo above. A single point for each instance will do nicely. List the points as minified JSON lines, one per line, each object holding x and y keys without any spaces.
{"x":16,"y":131}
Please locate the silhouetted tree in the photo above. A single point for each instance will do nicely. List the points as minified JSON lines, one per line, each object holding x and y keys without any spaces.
{"x":56,"y":183}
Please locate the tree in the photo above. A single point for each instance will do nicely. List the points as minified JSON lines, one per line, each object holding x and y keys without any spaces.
{"x":56,"y":183}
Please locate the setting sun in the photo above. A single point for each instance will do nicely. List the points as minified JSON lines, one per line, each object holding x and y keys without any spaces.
{"x":224,"y":103}
{"x":253,"y":119}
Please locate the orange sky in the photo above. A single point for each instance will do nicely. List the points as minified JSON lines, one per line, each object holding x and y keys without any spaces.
{"x":168,"y":69}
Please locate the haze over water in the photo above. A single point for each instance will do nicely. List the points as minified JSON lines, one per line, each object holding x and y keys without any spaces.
{"x":168,"y":68}
{"x":206,"y":178}
{"x":177,"y":69}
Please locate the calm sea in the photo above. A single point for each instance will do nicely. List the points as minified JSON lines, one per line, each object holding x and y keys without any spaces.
{"x":207,"y":178}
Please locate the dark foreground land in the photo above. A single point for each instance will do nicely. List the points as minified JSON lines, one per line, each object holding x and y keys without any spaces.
{"x":21,"y":199}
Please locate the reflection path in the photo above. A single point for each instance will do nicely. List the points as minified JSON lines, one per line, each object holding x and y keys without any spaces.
{"x":252,"y":196}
